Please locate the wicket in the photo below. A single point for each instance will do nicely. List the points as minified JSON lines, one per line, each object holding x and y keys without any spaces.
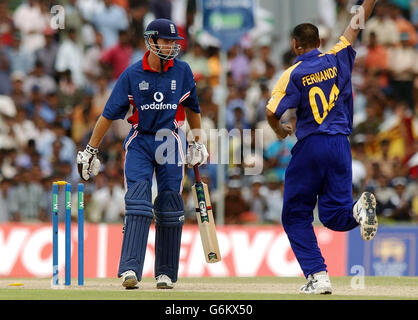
{"x":55,"y":212}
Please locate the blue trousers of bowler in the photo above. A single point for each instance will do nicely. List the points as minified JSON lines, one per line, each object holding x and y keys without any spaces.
{"x":320,"y":171}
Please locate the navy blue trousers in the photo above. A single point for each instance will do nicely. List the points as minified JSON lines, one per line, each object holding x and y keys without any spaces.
{"x":320,"y":171}
{"x":165,"y":154}
{"x":144,"y":155}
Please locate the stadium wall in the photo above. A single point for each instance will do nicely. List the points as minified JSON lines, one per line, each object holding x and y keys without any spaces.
{"x":26,"y":251}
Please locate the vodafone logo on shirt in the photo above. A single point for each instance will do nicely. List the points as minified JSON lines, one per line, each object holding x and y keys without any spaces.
{"x":158,"y":103}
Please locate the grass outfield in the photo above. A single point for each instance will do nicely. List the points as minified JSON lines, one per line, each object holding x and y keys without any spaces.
{"x":257,"y":288}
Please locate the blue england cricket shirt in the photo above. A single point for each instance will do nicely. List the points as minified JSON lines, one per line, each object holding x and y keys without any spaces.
{"x":158,"y":100}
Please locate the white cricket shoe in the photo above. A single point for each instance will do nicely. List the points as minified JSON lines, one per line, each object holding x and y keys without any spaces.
{"x":364,"y":211}
{"x":129,"y":279}
{"x":318,"y":283}
{"x":164,"y":282}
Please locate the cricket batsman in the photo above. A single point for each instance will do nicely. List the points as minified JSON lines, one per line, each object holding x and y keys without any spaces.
{"x":319,"y":87}
{"x":162,"y":92}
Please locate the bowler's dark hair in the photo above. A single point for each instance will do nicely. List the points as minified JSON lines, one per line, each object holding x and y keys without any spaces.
{"x":307,"y":35}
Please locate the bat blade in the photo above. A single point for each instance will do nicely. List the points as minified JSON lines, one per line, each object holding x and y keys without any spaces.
{"x":206,"y":222}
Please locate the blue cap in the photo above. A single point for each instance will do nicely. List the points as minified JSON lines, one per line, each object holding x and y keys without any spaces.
{"x":162,"y":28}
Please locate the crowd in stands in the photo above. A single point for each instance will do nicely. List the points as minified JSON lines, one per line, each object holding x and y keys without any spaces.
{"x":54,"y":83}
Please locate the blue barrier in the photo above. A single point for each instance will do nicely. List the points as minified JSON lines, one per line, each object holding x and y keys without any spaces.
{"x":392,"y":252}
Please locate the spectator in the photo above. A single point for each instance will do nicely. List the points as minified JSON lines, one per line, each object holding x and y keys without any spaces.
{"x":139,"y":49}
{"x":274,"y":196}
{"x":239,"y":66}
{"x":110,"y":202}
{"x":5,"y":85}
{"x":136,"y":17}
{"x":412,"y":162}
{"x":403,"y":67}
{"x":37,"y":106}
{"x":6,"y":25}
{"x":189,"y":206}
{"x":239,"y":120}
{"x":52,"y":100}
{"x":68,"y":92}
{"x":24,"y":129}
{"x":198,"y":62}
{"x":100,"y":96}
{"x":385,"y":28}
{"x":161,"y":8}
{"x":260,"y":114}
{"x":359,"y":161}
{"x":73,"y":17}
{"x":235,"y":205}
{"x":377,"y":55}
{"x":31,"y":22}
{"x":257,"y":199}
{"x":414,"y":13}
{"x":39,"y":78}
{"x":88,"y":8}
{"x":386,"y":161}
{"x":109,"y":20}
{"x":118,"y":57}
{"x":70,"y":57}
{"x":47,"y":54}
{"x":28,"y":203}
{"x":84,"y":118}
{"x":325,"y":36}
{"x":278,"y":156}
{"x":91,"y":63}
{"x":404,"y":26}
{"x":64,"y":148}
{"x":5,"y":200}
{"x":372,"y":120}
{"x":214,"y":66}
{"x":210,"y":111}
{"x":8,"y":167}
{"x":401,"y":202}
{"x":236,"y":109}
{"x":384,"y":195}
{"x":21,"y":59}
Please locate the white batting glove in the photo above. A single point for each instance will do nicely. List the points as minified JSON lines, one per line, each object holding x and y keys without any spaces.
{"x":88,"y":163}
{"x":196,"y":154}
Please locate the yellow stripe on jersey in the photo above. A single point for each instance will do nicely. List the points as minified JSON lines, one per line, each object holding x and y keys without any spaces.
{"x":344,"y":43}
{"x":279,"y":91}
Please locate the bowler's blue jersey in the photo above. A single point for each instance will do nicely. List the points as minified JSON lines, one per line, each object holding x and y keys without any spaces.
{"x":319,"y":87}
{"x":157,"y":99}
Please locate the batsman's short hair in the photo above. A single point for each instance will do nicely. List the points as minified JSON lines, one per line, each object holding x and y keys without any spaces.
{"x":307,"y":35}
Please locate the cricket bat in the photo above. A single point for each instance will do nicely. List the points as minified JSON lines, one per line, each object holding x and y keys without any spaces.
{"x":205,"y":219}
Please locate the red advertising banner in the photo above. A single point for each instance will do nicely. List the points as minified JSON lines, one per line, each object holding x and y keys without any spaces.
{"x":26,"y":251}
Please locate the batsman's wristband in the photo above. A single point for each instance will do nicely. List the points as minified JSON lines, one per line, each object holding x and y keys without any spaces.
{"x":92,"y":150}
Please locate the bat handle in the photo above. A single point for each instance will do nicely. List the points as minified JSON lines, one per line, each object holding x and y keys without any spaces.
{"x":196,"y":173}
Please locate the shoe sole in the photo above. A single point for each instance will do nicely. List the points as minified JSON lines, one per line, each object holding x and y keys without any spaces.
{"x":164,"y":285}
{"x":368,"y":228}
{"x":325,"y":291}
{"x":322,"y":291}
{"x":130,"y":283}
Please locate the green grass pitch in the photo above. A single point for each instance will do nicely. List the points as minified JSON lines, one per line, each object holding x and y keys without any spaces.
{"x":253,"y":288}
